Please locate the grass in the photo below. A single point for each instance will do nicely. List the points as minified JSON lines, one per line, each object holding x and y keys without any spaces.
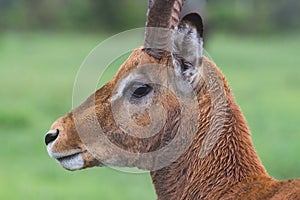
{"x":37,"y":72}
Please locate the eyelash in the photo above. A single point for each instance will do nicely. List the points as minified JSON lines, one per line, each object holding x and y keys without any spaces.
{"x":139,"y":90}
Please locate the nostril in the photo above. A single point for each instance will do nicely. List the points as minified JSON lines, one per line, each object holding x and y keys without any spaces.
{"x":51,"y":136}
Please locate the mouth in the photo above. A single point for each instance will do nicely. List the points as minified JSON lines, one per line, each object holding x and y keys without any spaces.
{"x":66,"y":158}
{"x":71,"y":161}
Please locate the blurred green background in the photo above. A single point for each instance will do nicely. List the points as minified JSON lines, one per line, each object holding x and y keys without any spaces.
{"x":43,"y":43}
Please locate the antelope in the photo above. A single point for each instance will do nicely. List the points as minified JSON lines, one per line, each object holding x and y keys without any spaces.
{"x":201,"y":147}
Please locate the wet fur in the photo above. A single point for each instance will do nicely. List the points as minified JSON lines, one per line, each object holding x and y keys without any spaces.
{"x":232,"y":170}
{"x":227,"y":169}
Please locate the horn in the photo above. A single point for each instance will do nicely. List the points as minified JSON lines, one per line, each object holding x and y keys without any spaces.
{"x":162,"y":15}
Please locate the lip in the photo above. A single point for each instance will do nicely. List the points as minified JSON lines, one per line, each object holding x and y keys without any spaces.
{"x":61,"y":156}
{"x":66,"y":157}
{"x":70,"y":161}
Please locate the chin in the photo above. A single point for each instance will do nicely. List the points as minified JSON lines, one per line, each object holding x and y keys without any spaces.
{"x":75,"y":160}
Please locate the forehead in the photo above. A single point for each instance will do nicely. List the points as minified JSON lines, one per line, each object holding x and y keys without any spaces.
{"x":140,"y":58}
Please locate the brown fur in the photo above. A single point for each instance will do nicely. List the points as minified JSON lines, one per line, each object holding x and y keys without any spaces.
{"x":232,"y":170}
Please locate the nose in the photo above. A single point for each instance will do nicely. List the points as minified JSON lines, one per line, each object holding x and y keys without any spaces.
{"x":51,"y":136}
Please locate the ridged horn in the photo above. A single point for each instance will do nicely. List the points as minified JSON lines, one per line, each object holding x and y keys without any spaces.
{"x":162,"y":16}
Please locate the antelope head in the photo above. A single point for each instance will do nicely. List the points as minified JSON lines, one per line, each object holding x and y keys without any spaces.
{"x":151,"y":102}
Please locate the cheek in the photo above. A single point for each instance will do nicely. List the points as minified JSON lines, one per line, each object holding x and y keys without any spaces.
{"x":141,"y":119}
{"x":90,"y":160}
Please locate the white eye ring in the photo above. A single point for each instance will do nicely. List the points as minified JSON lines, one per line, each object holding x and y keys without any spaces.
{"x":52,"y":131}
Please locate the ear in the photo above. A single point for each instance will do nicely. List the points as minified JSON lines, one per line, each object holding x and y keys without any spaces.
{"x":187,"y":46}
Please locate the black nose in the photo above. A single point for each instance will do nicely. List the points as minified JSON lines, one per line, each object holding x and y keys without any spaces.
{"x":51,"y":136}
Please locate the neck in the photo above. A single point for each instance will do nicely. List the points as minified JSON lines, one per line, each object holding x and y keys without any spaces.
{"x":221,"y":155}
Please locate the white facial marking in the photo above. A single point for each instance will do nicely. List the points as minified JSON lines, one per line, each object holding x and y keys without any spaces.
{"x":120,"y":88}
{"x":119,"y":91}
{"x":52,"y":131}
{"x":73,"y":162}
{"x":49,"y":147}
{"x":61,"y":155}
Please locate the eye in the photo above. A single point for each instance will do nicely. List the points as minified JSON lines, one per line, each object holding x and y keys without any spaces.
{"x":185,"y":65}
{"x":140,"y":90}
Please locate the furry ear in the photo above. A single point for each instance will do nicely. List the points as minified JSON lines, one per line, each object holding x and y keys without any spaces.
{"x":187,"y":46}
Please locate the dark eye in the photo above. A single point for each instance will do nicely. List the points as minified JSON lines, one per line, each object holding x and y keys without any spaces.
{"x":140,"y":90}
{"x":185,"y":65}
